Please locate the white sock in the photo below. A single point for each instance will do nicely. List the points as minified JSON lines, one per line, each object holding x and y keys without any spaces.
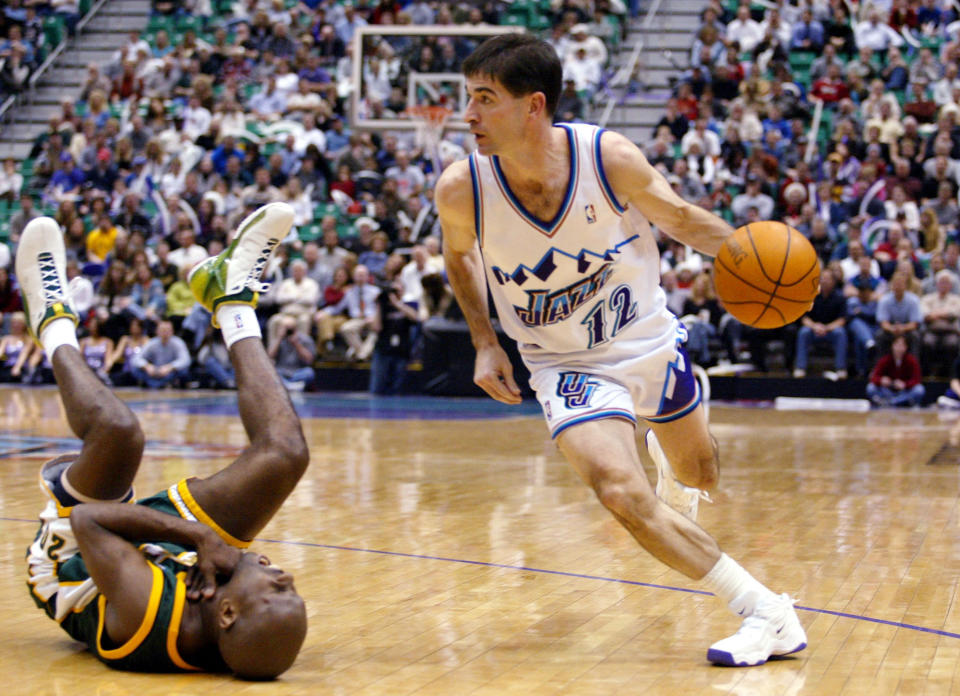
{"x":237,"y":321}
{"x":59,"y":332}
{"x":729,"y":581}
{"x":68,"y":487}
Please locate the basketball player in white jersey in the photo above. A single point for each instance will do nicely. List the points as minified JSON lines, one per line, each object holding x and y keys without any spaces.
{"x":553,"y":219}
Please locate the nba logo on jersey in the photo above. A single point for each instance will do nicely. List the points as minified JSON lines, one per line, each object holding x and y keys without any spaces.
{"x":576,"y":389}
{"x":238,"y":320}
{"x":591,"y":213}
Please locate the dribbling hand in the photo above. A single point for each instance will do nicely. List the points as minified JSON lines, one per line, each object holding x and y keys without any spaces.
{"x":494,"y":374}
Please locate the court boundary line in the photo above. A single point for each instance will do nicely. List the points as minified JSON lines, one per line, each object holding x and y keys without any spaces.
{"x":621,"y":581}
{"x":582,"y":576}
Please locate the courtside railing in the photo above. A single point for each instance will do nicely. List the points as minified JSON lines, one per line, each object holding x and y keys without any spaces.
{"x":26,"y":95}
{"x":622,"y":77}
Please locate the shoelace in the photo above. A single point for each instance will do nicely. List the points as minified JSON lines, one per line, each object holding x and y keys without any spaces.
{"x":253,"y":279}
{"x":50,"y":279}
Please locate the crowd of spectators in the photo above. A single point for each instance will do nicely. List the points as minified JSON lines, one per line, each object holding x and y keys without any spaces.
{"x":212,"y":111}
{"x":846,"y":127}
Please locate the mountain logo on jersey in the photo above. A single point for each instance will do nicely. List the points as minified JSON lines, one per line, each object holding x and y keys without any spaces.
{"x":554,"y":259}
{"x":546,"y":306}
{"x":576,"y":389}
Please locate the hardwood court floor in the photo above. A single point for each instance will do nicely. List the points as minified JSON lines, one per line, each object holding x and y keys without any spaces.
{"x":464,"y":557}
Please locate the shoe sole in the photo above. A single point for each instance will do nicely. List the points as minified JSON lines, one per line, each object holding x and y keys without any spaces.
{"x":726,"y":659}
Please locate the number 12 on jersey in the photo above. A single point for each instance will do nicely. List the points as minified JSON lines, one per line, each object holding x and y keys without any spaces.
{"x":623,"y":310}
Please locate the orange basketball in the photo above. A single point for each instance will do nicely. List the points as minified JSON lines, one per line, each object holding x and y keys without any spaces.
{"x":767,"y":274}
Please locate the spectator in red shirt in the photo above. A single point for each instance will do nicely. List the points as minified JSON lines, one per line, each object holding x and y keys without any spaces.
{"x":831,"y":88}
{"x":344,"y":181}
{"x":687,"y":102}
{"x":895,"y":380}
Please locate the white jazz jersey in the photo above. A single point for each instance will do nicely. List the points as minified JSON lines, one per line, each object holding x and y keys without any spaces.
{"x":583,"y":288}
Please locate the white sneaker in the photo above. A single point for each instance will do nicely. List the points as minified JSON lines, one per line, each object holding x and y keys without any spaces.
{"x":234,"y":275}
{"x":41,"y":272}
{"x":681,"y":498}
{"x":946,"y":402}
{"x":771,"y":629}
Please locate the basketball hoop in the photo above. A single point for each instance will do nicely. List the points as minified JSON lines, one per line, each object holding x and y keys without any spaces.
{"x":430,"y":120}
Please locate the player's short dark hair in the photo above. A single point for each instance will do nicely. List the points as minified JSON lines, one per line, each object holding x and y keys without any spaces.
{"x":520,"y":62}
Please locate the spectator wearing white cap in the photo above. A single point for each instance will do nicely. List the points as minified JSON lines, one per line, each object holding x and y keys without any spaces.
{"x":585,"y":72}
{"x":580,"y":38}
{"x":365,"y":226}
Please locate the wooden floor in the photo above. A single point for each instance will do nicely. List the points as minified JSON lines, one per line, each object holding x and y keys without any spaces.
{"x":464,"y":556}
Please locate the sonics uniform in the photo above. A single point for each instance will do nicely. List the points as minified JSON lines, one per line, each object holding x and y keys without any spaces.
{"x":581,"y":295}
{"x":61,"y":586}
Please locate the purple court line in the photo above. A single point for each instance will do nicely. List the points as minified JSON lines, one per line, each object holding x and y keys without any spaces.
{"x":637,"y":583}
{"x":563,"y":573}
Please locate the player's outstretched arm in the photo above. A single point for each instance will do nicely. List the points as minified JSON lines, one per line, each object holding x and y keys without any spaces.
{"x":637,"y":182}
{"x":461,"y":252}
{"x":106,"y":535}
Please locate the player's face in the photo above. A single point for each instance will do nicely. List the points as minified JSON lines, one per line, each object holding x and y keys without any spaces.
{"x":494,"y":115}
{"x":255,"y":576}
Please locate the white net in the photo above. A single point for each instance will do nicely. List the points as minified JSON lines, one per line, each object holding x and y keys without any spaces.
{"x":430,"y":122}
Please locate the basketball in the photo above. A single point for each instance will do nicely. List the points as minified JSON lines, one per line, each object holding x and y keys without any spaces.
{"x":767,"y":274}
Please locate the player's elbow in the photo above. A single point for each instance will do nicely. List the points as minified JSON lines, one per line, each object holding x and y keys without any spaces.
{"x":292,"y":454}
{"x":81,"y":521}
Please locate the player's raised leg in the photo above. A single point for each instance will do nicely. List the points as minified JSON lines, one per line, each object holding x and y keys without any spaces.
{"x":243,"y":497}
{"x":111,"y":435}
{"x":604,"y":454}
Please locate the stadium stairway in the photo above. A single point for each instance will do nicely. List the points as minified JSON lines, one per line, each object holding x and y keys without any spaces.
{"x":665,"y":55}
{"x":101,"y":37}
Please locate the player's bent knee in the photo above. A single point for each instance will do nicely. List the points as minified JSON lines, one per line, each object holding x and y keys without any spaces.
{"x":707,"y":465}
{"x":118,"y":425}
{"x":700,"y":467}
{"x":622,"y":494}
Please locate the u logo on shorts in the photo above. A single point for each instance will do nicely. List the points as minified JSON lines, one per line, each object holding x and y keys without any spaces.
{"x":576,"y":388}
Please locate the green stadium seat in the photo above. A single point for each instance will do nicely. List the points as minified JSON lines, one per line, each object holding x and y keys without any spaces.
{"x":801,"y":60}
{"x":539,"y":23}
{"x":321,"y":210}
{"x":308,"y":233}
{"x":189,"y":23}
{"x":54,"y":29}
{"x":158,"y":22}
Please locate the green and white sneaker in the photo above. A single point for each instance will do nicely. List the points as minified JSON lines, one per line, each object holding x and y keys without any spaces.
{"x":233,"y":277}
{"x":41,"y":272}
